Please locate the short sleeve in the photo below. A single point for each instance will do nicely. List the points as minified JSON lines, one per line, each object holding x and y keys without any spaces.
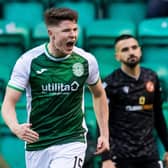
{"x":20,"y":74}
{"x":93,"y":71}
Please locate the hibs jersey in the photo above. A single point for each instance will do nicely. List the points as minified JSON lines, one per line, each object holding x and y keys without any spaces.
{"x":54,"y":90}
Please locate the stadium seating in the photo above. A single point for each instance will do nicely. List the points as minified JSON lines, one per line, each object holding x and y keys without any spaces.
{"x":4,"y":77}
{"x":91,"y":161}
{"x":12,"y":150}
{"x":39,"y":35}
{"x":100,"y":38}
{"x":23,"y":27}
{"x":153,"y":36}
{"x":81,"y":7}
{"x":28,"y":14}
{"x":126,"y":10}
{"x":91,"y":123}
{"x":12,"y":33}
{"x":13,"y":41}
{"x":89,"y":114}
{"x":11,"y":147}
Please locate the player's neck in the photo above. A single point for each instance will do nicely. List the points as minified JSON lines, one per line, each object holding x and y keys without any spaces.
{"x":54,"y":52}
{"x":133,"y":72}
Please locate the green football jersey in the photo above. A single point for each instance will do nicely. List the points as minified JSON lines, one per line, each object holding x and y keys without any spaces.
{"x":54,"y":90}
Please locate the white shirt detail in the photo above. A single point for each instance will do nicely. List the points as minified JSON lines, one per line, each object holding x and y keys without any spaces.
{"x":41,"y":71}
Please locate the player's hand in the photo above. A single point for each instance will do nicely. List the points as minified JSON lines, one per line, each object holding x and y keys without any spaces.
{"x":166,"y":159}
{"x":24,"y":132}
{"x":102,"y":145}
{"x":108,"y":164}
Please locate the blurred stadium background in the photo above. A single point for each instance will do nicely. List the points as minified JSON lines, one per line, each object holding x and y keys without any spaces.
{"x":100,"y":22}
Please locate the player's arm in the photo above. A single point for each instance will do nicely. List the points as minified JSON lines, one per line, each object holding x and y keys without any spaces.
{"x":106,"y":157}
{"x":161,"y":128}
{"x":160,"y":123}
{"x":8,"y":107}
{"x":23,"y":131}
{"x":102,"y":115}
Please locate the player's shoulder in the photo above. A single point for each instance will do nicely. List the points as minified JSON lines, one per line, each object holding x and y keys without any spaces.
{"x":114,"y":73}
{"x":113,"y":76}
{"x":147,"y":70}
{"x":34,"y":52}
{"x":83,"y":53}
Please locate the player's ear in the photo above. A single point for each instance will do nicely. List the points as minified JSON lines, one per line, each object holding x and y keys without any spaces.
{"x":117,"y":56}
{"x":51,"y":34}
{"x":140,"y":50}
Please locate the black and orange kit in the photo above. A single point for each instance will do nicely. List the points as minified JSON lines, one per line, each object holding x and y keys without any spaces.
{"x":135,"y":112}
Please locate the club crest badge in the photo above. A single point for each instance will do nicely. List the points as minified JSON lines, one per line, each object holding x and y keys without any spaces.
{"x":150,"y":86}
{"x":78,"y":69}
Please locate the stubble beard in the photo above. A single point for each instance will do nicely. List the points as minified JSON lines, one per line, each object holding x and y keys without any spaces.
{"x":132,"y":63}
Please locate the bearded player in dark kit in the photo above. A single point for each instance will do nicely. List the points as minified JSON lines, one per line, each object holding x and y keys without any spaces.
{"x":135,"y":106}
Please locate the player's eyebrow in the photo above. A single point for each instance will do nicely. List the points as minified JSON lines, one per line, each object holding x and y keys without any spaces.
{"x":127,"y":48}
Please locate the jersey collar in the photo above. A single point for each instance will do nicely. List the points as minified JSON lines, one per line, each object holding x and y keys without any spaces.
{"x":51,"y":57}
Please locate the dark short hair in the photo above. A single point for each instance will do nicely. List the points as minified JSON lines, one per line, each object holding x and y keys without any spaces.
{"x":123,"y":37}
{"x":54,"y":16}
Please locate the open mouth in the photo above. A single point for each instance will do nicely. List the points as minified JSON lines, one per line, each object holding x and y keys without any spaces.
{"x":132,"y":59}
{"x":70,"y":44}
